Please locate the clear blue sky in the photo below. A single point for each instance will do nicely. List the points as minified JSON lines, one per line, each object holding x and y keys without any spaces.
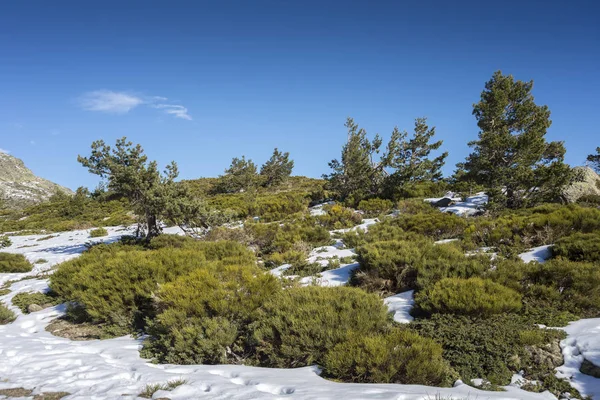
{"x":201,"y":82}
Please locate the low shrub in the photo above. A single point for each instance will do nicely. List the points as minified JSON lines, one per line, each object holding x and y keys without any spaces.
{"x":6,"y":315}
{"x":5,"y":241}
{"x":398,"y":356}
{"x":473,"y":296}
{"x":589,"y":200}
{"x":375,"y":207}
{"x":24,"y":300}
{"x":493,"y":348}
{"x":339,"y":217}
{"x":98,"y":232}
{"x":554,"y":292}
{"x":300,"y":325}
{"x":115,"y":287}
{"x":14,"y":263}
{"x":437,"y":225}
{"x":578,"y":247}
{"x":415,"y":206}
{"x":413,"y":264}
{"x":204,"y":315}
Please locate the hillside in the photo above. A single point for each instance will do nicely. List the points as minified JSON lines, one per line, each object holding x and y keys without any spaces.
{"x":19,"y":187}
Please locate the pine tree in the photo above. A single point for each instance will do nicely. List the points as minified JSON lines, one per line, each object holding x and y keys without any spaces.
{"x":277,"y":169}
{"x":240,"y":176}
{"x":511,"y":157}
{"x":129,"y":174}
{"x":594,"y":159}
{"x":408,"y":159}
{"x":356,"y":176}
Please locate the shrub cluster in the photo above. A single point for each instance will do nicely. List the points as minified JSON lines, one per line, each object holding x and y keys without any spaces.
{"x":578,"y":247}
{"x":474,"y":296}
{"x":339,"y":217}
{"x":114,"y":286}
{"x":14,"y":263}
{"x":6,"y":315}
{"x":63,"y":213}
{"x":98,"y":232}
{"x":25,"y":299}
{"x":436,"y":225}
{"x":375,"y":207}
{"x":5,"y":241}
{"x":493,"y":348}
{"x":412,"y":263}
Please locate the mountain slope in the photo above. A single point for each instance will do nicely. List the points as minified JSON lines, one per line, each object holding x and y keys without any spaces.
{"x":19,"y":187}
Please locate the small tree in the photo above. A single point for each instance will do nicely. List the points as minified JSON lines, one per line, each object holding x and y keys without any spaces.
{"x":128,"y":173}
{"x":357,"y":176}
{"x":275,"y":171}
{"x":594,"y":159}
{"x":240,"y":176}
{"x":511,"y":158}
{"x":409,"y":160}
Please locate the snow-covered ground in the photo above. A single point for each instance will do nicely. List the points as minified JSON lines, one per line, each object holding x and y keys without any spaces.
{"x":472,"y":205}
{"x":32,"y":358}
{"x":582,"y":343}
{"x":401,"y":304}
{"x":539,"y":254}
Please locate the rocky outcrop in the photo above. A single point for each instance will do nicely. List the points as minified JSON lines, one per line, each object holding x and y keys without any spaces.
{"x":588,"y":368}
{"x":19,"y":187}
{"x":588,"y":184}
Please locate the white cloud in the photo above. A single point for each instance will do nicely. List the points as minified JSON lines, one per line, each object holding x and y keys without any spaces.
{"x":176,"y":110}
{"x":109,"y":101}
{"x":122,"y":102}
{"x":4,"y":151}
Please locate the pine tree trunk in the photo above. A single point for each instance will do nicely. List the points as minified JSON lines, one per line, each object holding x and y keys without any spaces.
{"x":153,"y":229}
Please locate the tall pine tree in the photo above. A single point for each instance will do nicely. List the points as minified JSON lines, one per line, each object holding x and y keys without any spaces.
{"x":408,"y":159}
{"x":277,"y":169}
{"x":239,"y":177}
{"x":356,"y":175}
{"x":594,"y":159}
{"x":511,"y":157}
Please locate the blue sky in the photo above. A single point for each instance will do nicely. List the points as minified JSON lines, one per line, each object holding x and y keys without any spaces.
{"x":201,"y":82}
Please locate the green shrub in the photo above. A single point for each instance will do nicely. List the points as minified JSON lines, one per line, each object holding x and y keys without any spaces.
{"x":590,"y":200}
{"x":24,"y":300}
{"x":492,"y":348}
{"x":474,"y":296}
{"x":98,"y":232}
{"x":5,"y":241}
{"x":437,"y":225}
{"x":14,"y":263}
{"x":63,"y":213}
{"x":415,"y":206}
{"x":554,"y":292}
{"x":298,"y":327}
{"x":536,"y":226}
{"x":398,"y":356}
{"x":339,"y":217}
{"x":204,"y":315}
{"x":115,"y":287}
{"x":375,"y":207}
{"x":578,"y":247}
{"x":397,"y":265}
{"x":6,"y":315}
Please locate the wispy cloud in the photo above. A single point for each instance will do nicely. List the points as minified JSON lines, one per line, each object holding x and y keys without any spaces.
{"x":4,"y":151}
{"x":122,"y":102}
{"x":109,"y":101}
{"x":175,"y":110}
{"x":32,"y":142}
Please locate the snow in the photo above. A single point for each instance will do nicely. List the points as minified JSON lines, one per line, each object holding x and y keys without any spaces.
{"x":31,"y":357}
{"x":539,"y":254}
{"x":401,"y":304}
{"x":364,"y":226}
{"x":582,"y":342}
{"x":472,"y":205}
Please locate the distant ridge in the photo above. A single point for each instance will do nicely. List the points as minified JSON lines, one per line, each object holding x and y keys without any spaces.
{"x":19,"y":187}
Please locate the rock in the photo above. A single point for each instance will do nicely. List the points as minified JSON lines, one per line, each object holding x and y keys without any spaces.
{"x":34,"y":308}
{"x":588,"y":368}
{"x":550,"y":354}
{"x":444,"y":202}
{"x":589,"y":185}
{"x":19,"y":187}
